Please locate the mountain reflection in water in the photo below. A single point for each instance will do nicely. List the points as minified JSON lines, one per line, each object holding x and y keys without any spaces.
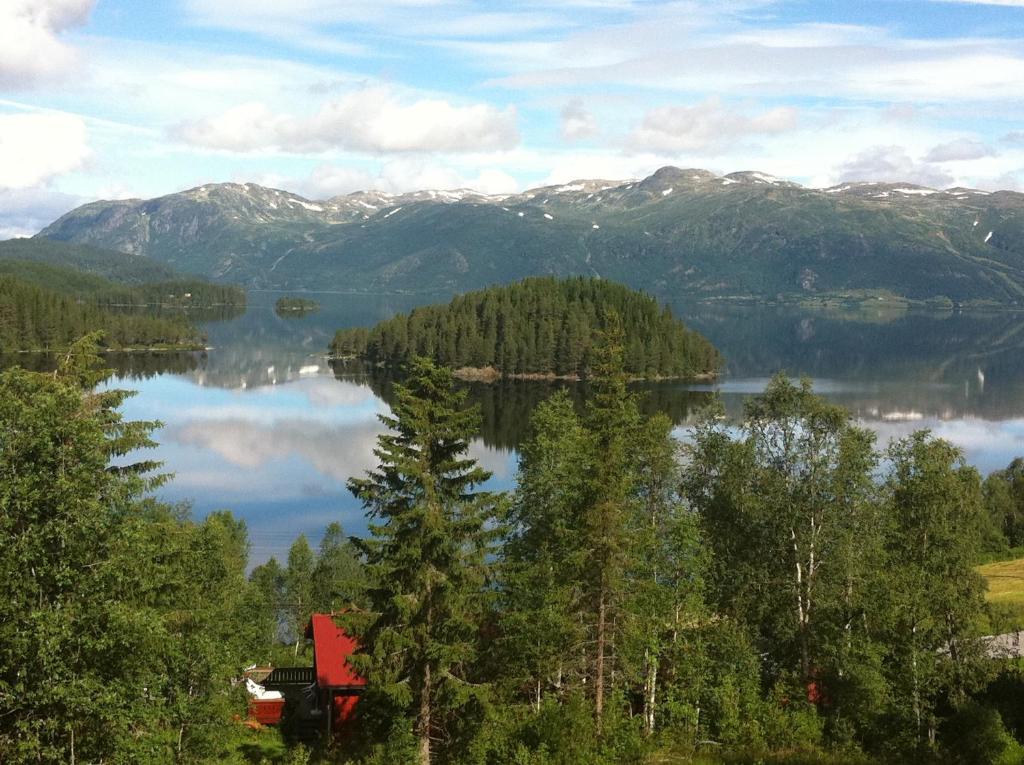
{"x":263,"y":425}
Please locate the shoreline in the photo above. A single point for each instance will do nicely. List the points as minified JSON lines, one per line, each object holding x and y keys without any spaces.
{"x":104,"y":351}
{"x":491,"y":374}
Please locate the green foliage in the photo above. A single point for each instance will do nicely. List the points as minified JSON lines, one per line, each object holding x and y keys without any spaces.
{"x":1004,"y":504}
{"x":32,"y":319}
{"x":975,"y":735}
{"x":860,"y":596}
{"x":601,"y":571}
{"x":426,"y":559}
{"x":294,"y":306}
{"x":785,"y":594}
{"x":540,"y":326}
{"x":794,"y":532}
{"x":122,"y":620}
{"x":112,"y":293}
{"x":933,"y":499}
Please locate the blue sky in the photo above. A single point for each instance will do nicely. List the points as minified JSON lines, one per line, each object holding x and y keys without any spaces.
{"x":111,"y":98}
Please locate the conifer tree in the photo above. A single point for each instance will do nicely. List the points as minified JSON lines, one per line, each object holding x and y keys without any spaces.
{"x":426,"y":556}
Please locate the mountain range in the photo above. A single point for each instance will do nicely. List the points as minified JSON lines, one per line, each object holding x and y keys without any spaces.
{"x":677,"y":232}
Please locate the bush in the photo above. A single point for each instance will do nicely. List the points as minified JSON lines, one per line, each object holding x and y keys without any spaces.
{"x":975,"y":735}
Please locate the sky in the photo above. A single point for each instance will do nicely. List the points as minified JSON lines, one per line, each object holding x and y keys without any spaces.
{"x":107,"y":99}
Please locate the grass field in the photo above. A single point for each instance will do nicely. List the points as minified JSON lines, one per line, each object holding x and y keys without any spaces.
{"x":1006,"y":592}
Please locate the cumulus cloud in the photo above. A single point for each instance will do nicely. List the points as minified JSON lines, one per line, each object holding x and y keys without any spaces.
{"x":398,"y":176}
{"x":31,"y":48}
{"x":894,"y":165}
{"x":709,"y":126}
{"x":37,"y":146}
{"x":958,"y":150}
{"x":577,"y":122}
{"x":373,"y":119}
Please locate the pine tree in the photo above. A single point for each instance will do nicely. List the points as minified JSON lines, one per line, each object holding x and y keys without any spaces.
{"x":426,"y":556}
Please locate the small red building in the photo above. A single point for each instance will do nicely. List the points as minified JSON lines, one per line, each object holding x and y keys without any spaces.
{"x":319,"y":698}
{"x":338,"y":685}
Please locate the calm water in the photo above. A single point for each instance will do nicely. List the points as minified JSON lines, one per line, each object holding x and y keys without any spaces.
{"x":262,"y":425}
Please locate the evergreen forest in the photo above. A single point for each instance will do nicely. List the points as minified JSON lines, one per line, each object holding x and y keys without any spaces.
{"x":779,"y":590}
{"x":37,"y":319}
{"x":540,"y":326}
{"x":45,"y":307}
{"x":295,"y":306}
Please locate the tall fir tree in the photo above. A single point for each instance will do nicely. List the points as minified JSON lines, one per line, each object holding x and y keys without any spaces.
{"x":427,"y":559}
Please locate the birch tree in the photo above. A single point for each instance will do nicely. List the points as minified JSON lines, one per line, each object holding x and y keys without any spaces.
{"x":781,"y":500}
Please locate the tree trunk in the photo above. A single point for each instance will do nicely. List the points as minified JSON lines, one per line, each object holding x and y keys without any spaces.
{"x":599,"y":668}
{"x":913,"y":664}
{"x":423,"y":720}
{"x":650,"y":686}
{"x":801,"y":611}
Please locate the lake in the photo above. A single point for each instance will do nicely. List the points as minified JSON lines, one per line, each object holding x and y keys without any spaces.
{"x":262,"y":425}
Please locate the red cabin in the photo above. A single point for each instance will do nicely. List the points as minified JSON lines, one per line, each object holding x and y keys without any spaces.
{"x":338,"y":685}
{"x":321,"y":698}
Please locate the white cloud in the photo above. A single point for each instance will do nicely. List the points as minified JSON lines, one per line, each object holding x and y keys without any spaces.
{"x":577,"y":122}
{"x":959,"y":150}
{"x":36,"y":147}
{"x":709,"y":126}
{"x":398,"y":176}
{"x":704,"y":52}
{"x":31,"y":49}
{"x":893,"y":164}
{"x":24,"y":211}
{"x":373,"y":120}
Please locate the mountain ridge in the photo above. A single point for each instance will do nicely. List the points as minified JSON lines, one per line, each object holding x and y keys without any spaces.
{"x":746,"y":234}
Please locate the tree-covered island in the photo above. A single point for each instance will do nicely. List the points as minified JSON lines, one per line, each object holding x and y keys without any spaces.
{"x":295,"y":306}
{"x":541,"y":327}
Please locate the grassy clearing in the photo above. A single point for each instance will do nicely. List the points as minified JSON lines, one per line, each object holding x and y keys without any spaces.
{"x":1006,"y":592}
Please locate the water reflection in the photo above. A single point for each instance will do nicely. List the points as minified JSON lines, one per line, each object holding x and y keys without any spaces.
{"x":263,"y":425}
{"x":506,"y":406}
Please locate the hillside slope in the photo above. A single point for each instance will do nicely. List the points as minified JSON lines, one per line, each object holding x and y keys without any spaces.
{"x":676,"y":232}
{"x":108,"y":264}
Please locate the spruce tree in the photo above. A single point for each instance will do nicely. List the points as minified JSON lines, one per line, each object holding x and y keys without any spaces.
{"x":426,"y":556}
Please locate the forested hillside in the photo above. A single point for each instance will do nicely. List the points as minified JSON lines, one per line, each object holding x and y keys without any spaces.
{"x":540,"y":326}
{"x":97,"y":290}
{"x":61,"y":292}
{"x":118,"y":267}
{"x":37,"y":319}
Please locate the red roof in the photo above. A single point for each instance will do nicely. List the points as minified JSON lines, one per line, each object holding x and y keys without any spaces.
{"x":331,"y":649}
